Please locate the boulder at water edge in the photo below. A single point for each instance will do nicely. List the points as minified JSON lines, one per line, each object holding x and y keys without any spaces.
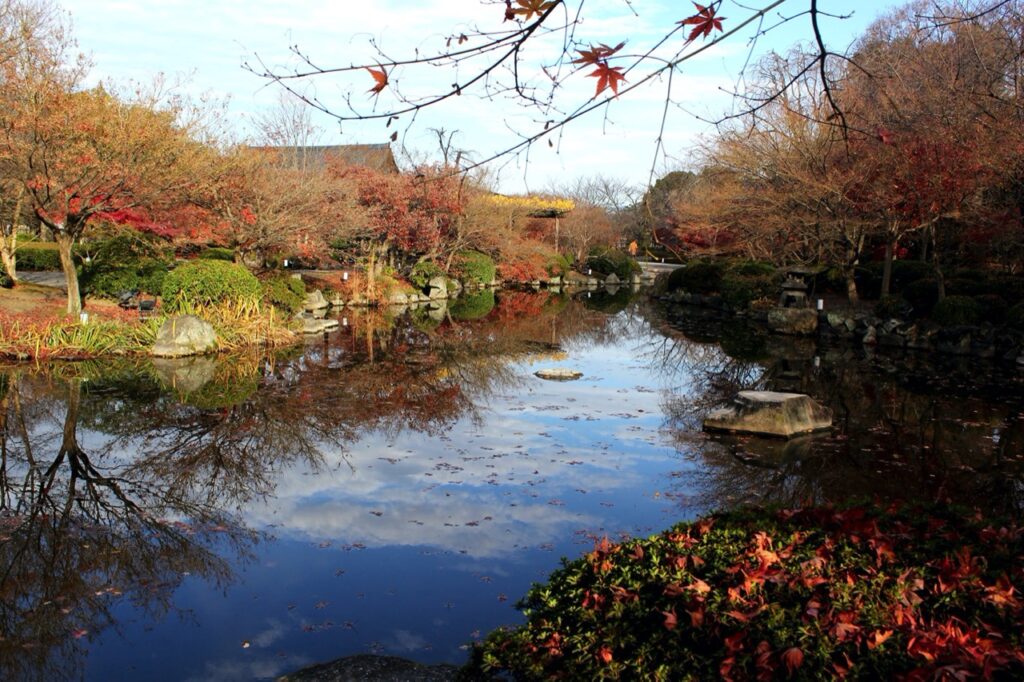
{"x":769,"y":413}
{"x":315,"y":301}
{"x":437,"y":288}
{"x":184,"y":335}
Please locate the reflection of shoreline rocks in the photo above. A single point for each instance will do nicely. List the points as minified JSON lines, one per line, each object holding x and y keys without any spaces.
{"x":369,"y":668}
{"x":771,"y":414}
{"x":558,"y":374}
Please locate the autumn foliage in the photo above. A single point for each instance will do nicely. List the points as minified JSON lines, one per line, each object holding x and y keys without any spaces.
{"x":818,"y":593}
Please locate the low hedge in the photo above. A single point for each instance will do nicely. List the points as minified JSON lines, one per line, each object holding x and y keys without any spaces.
{"x":739,"y":291}
{"x":35,"y":258}
{"x":957,"y":310}
{"x":812,"y":594}
{"x":609,"y":261}
{"x":217,"y":253}
{"x":204,"y":283}
{"x":698,"y":277}
{"x":127,"y":261}
{"x":473,"y":267}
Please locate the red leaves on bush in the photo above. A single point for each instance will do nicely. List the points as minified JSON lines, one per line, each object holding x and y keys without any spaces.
{"x":670,"y":620}
{"x":792,"y":658}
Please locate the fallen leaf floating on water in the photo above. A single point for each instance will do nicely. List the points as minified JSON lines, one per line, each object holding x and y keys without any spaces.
{"x":245,"y":644}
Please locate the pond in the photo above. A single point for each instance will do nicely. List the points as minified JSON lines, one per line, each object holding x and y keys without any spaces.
{"x":395,"y":486}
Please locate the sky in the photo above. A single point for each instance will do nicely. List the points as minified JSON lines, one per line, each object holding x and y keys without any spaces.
{"x":203,"y":44}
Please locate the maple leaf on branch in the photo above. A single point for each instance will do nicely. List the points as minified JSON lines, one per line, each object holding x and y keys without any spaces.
{"x":528,"y":8}
{"x":607,"y":77}
{"x":380,"y":77}
{"x":703,"y":22}
{"x":598,"y":54}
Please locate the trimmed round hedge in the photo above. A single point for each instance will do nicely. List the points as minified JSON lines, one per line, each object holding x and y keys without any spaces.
{"x":812,"y":594}
{"x":203,"y":283}
{"x":473,"y":267}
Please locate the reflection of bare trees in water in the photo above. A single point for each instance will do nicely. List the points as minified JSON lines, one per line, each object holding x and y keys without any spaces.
{"x":904,"y":429}
{"x":116,"y":478}
{"x":80,"y":532}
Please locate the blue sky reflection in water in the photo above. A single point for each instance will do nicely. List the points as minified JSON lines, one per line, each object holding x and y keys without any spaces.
{"x":412,"y":543}
{"x":272,"y":513}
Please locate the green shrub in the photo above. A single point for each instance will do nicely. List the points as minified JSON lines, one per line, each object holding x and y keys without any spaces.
{"x":473,"y":267}
{"x":697,"y":277}
{"x":203,"y":283}
{"x":128,"y":261}
{"x":1011,"y":289}
{"x":969,"y":287}
{"x":218,"y":253}
{"x":922,"y":296}
{"x":284,"y":292}
{"x":1015,"y":317}
{"x":558,"y":265}
{"x":473,"y":306}
{"x":113,"y":283}
{"x":956,"y":310}
{"x":739,"y":292}
{"x":608,"y":261}
{"x":37,"y":258}
{"x":423,"y":272}
{"x":906,"y":272}
{"x":802,"y":594}
{"x":993,"y":308}
{"x":753,"y":268}
{"x":889,"y":307}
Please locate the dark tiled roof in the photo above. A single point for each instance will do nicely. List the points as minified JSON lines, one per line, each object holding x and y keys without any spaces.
{"x":377,"y":157}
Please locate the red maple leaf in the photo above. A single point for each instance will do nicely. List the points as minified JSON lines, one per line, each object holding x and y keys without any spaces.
{"x":528,"y":8}
{"x":596,"y":55}
{"x":608,"y":77}
{"x":380,"y":77}
{"x":704,"y":21}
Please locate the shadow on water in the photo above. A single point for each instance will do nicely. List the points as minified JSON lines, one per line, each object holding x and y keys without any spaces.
{"x":421,"y":436}
{"x":908,"y":427}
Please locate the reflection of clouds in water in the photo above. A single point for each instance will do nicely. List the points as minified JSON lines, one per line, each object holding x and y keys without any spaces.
{"x":501,"y":480}
{"x":406,"y":641}
{"x":275,"y":632}
{"x":253,"y":666}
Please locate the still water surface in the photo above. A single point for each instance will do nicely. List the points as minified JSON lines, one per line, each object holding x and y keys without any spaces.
{"x":394,"y":487}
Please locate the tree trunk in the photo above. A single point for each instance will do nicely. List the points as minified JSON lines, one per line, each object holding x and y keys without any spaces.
{"x":64,"y":244}
{"x":7,"y":247}
{"x":890,"y":249}
{"x":9,"y":241}
{"x":851,"y":286}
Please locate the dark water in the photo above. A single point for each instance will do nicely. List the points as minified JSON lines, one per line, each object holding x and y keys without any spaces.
{"x":396,"y":486}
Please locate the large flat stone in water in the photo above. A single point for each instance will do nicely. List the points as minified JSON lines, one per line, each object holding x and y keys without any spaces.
{"x":769,"y":413}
